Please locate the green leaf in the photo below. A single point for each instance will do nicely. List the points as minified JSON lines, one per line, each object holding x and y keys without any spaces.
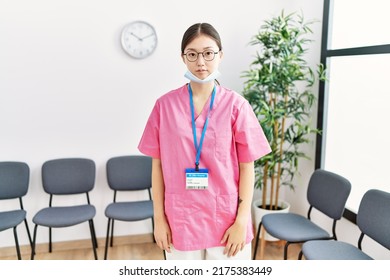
{"x":279,"y":86}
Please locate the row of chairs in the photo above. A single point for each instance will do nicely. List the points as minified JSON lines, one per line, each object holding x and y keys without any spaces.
{"x":328,"y":193}
{"x":76,"y":176}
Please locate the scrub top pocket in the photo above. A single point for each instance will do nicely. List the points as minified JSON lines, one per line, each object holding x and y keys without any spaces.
{"x":223,"y":141}
{"x":191,"y":218}
{"x":226,"y":210}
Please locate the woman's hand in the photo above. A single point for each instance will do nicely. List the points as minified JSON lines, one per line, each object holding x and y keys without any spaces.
{"x":162,"y":234}
{"x":234,"y":237}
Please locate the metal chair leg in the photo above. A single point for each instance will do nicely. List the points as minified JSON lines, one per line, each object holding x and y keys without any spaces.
{"x":33,"y":243}
{"x":257,"y":241}
{"x":300,"y":255}
{"x":286,"y":249}
{"x":28,"y":232}
{"x":107,"y":237}
{"x":17,"y":244}
{"x":91,"y":227}
{"x":94,"y":234}
{"x":50,"y":245}
{"x":112,"y":233}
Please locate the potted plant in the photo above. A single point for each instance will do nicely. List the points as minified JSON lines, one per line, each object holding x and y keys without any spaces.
{"x":279,"y":86}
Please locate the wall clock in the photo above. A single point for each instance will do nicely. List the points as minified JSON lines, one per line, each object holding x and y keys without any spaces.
{"x":139,"y":39}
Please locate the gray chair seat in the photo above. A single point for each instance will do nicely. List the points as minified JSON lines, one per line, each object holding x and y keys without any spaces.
{"x":373,"y":220}
{"x":333,"y":250}
{"x":327,"y":192}
{"x":62,"y":177}
{"x":140,"y":210}
{"x":57,"y":217}
{"x":293,"y":227}
{"x":11,"y":219}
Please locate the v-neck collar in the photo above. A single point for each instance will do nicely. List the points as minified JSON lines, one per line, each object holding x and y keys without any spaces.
{"x":202,"y":114}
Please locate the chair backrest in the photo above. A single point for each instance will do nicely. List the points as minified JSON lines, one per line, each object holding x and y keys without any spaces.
{"x":68,"y":176}
{"x":373,"y":217}
{"x":14,"y":179}
{"x":328,"y":192}
{"x":127,"y":173}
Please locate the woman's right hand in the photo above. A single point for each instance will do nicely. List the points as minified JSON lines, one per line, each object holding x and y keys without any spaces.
{"x":162,"y":234}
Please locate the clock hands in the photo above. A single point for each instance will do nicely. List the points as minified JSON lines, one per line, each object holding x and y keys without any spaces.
{"x":139,"y":38}
{"x":151,"y":34}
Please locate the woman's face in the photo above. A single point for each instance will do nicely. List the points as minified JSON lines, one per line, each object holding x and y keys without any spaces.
{"x":202,"y":68}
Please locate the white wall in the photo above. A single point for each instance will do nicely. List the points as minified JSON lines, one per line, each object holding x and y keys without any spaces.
{"x":67,"y":89}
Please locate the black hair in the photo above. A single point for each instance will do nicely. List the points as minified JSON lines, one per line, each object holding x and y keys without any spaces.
{"x":200,"y":29}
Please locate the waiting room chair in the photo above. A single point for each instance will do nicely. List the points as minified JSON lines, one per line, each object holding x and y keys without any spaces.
{"x":125,"y":174}
{"x":61,"y":177}
{"x":327,"y":192}
{"x":373,"y":220}
{"x":14,"y":183}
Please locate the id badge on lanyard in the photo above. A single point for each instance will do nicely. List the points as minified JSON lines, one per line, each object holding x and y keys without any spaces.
{"x":198,"y":178}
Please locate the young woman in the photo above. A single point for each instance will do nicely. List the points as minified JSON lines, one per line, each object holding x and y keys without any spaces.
{"x":203,"y":139}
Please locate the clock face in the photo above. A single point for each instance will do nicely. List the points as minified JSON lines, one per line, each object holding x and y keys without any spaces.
{"x":139,"y":39}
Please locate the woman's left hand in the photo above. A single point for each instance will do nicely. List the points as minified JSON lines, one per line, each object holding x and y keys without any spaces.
{"x":234,"y":237}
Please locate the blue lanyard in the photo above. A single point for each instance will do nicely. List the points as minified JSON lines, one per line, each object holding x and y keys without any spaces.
{"x":199,"y":148}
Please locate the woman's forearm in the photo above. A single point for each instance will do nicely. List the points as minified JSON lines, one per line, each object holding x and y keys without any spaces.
{"x":158,"y":190}
{"x":245,"y":191}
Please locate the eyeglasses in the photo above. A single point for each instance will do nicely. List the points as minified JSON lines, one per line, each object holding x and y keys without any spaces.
{"x":208,"y":55}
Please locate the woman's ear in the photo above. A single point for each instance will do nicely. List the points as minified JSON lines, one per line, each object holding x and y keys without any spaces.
{"x":183,"y":58}
{"x":220,"y":54}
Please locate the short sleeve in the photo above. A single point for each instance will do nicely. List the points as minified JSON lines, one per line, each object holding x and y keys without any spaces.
{"x":150,"y":143}
{"x":251,"y":142}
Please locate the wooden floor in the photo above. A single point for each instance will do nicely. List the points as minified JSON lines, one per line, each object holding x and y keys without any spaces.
{"x":141,"y":249}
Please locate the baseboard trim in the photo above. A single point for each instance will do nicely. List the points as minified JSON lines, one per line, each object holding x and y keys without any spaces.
{"x":77,"y":244}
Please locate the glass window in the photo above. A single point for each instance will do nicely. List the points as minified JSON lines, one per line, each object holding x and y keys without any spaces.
{"x":357,"y":137}
{"x":359,"y":23}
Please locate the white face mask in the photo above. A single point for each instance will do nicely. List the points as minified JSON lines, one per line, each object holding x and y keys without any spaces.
{"x":209,"y":78}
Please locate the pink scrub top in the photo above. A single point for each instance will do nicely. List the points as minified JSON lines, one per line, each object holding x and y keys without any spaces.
{"x":199,"y":218}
